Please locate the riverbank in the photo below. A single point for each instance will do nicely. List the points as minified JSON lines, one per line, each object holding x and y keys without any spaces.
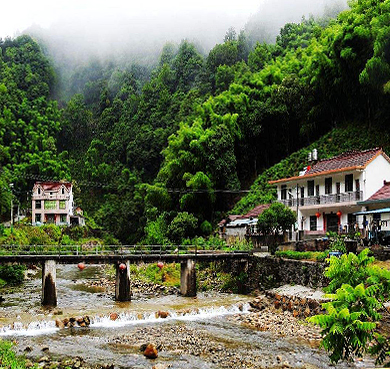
{"x":210,"y":331}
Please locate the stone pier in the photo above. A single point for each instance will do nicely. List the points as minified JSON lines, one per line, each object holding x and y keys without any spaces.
{"x":122,"y":285}
{"x":49,"y":278}
{"x":188,"y":278}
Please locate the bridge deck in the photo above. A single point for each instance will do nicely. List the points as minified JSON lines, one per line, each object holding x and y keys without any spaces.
{"x":114,"y":258}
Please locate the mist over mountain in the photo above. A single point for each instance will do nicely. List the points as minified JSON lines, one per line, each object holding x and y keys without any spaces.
{"x":265,"y":25}
{"x":139,"y":37}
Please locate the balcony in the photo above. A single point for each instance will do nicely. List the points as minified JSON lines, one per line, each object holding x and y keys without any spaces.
{"x":324,"y":199}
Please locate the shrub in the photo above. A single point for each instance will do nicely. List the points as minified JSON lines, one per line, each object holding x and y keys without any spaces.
{"x":349,"y":327}
{"x":302,"y":255}
{"x":206,"y":228}
{"x":12,"y":274}
{"x":8,"y":358}
{"x":348,"y":269}
{"x":183,"y":225}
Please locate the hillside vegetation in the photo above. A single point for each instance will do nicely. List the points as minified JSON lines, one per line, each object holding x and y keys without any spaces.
{"x":158,"y":156}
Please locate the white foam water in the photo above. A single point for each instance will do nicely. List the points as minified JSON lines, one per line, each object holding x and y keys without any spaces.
{"x":124,"y":319}
{"x":32,"y":329}
{"x":196,"y":314}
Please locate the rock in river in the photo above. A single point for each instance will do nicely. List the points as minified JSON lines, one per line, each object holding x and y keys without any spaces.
{"x":151,"y":351}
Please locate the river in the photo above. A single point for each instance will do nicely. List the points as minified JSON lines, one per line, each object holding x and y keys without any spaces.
{"x":197,"y":334}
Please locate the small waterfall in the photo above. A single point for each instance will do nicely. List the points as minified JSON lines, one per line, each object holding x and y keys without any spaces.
{"x":32,"y":329}
{"x":127,"y":318}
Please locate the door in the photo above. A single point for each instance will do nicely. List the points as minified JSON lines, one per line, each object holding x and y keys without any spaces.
{"x":332,"y":223}
{"x":50,"y":218}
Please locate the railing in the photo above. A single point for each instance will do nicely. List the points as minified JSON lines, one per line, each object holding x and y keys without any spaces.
{"x":324,"y":199}
{"x":107,"y":250}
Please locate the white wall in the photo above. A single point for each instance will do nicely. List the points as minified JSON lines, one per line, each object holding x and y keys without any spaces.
{"x":376,"y":172}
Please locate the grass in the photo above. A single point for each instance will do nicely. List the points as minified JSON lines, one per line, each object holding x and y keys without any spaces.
{"x":303,"y":255}
{"x":8,"y":358}
{"x":168,"y":276}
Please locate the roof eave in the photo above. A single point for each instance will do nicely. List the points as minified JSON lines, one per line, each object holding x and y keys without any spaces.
{"x":348,"y":169}
{"x":370,"y":202}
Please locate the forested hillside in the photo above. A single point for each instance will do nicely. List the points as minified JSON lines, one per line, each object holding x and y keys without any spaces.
{"x":162,"y":154}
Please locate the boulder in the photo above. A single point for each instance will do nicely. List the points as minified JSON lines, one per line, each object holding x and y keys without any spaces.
{"x":114,"y":316}
{"x":87,"y":320}
{"x":44,"y":359}
{"x":161,"y":366}
{"x":163,"y":314}
{"x":60,"y":324}
{"x":150,"y":351}
{"x":307,"y":312}
{"x":80,"y":320}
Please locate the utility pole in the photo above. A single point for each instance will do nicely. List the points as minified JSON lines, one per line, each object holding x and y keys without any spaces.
{"x":11,"y":185}
{"x":297,"y":213}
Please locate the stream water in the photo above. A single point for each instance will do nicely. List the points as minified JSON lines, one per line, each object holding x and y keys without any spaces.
{"x":197,"y":334}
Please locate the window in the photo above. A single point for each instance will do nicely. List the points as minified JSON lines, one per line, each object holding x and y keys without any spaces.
{"x":62,"y":204}
{"x":349,"y":183}
{"x":62,"y":191}
{"x":38,"y":204}
{"x":328,"y":186}
{"x":50,"y":204}
{"x":313,"y":223}
{"x":39,"y":191}
{"x":310,"y":188}
{"x":63,"y":218}
{"x":283,"y":194}
{"x":302,"y":196}
{"x":37,"y":218}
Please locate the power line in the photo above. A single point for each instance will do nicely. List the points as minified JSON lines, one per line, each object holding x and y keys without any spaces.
{"x":85,"y":183}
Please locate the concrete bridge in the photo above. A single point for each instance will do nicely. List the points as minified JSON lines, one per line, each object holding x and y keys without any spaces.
{"x":121,"y":257}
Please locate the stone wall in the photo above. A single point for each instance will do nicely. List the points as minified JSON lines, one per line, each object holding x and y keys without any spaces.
{"x":262,"y":273}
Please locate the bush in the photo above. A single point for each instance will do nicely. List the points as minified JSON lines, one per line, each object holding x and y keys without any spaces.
{"x":76,"y":233}
{"x":349,"y":328}
{"x":302,"y":255}
{"x":8,"y":358}
{"x":12,"y":274}
{"x":182,"y":226}
{"x":348,"y":269}
{"x":206,"y":228}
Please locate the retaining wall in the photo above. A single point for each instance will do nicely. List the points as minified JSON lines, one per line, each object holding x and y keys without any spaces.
{"x":262,"y":273}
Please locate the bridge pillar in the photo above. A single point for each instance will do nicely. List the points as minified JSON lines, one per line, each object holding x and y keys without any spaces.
{"x":49,"y":278}
{"x":188,"y":278}
{"x":122,"y":285}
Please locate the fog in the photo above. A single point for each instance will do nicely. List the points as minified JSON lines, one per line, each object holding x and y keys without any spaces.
{"x":76,"y":30}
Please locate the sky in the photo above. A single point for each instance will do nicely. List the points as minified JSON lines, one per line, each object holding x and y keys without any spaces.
{"x":77,"y":30}
{"x":17,"y":15}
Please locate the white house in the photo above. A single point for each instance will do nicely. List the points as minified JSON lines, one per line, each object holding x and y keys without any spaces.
{"x":239,"y":226}
{"x":52,"y":202}
{"x":328,"y":193}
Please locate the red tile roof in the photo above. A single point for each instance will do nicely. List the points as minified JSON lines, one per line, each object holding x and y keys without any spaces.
{"x":346,"y":160}
{"x":255,"y":212}
{"x":382,"y":194}
{"x":231,"y":218}
{"x":53,"y":186}
{"x":350,"y":160}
